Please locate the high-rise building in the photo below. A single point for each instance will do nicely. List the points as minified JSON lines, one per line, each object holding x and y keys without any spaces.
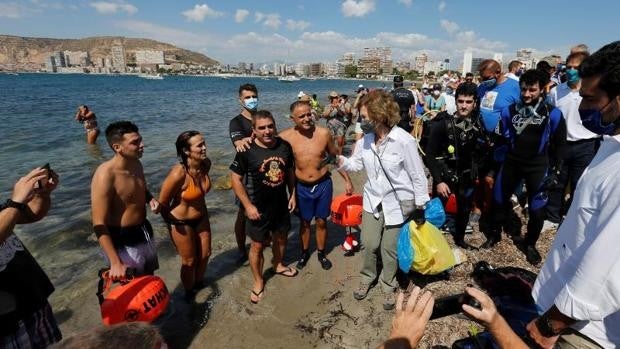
{"x":75,"y":58}
{"x":368,"y":66}
{"x":315,"y":69}
{"x":467,"y":62}
{"x":59,"y":57}
{"x":149,"y":57}
{"x":475,"y":62}
{"x":420,"y":61}
{"x":50,"y":64}
{"x":241,"y":66}
{"x":118,"y":58}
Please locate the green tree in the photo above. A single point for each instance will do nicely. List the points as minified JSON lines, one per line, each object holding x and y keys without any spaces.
{"x":350,"y":71}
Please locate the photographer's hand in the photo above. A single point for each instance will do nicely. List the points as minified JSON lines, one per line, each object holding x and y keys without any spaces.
{"x":410,"y":320}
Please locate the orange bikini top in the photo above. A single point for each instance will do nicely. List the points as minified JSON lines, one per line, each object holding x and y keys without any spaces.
{"x":193,"y":191}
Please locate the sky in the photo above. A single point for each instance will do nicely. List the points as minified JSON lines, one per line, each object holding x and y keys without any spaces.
{"x":233,"y":31}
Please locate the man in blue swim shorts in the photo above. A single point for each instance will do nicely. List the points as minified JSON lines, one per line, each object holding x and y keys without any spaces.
{"x":312,"y":145}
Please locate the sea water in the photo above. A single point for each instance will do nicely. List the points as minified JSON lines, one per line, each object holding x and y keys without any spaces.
{"x":37,"y":126}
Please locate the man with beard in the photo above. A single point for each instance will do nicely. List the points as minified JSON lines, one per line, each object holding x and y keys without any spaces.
{"x":534,"y":135}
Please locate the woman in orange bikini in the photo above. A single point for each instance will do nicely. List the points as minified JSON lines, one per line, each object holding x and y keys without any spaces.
{"x":185,"y":211}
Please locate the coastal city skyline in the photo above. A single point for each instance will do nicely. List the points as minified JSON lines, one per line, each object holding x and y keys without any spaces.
{"x":303,"y":32}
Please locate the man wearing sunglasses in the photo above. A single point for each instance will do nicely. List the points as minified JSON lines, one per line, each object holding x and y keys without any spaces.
{"x":312,"y":147}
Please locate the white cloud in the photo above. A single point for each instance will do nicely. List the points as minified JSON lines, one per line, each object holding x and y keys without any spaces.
{"x":165,"y":34}
{"x":107,"y":8}
{"x":297,"y":25}
{"x":357,"y":8}
{"x":406,"y":2}
{"x":442,"y":6}
{"x":258,"y":17}
{"x":272,"y":20}
{"x":241,"y":15}
{"x":448,"y":26}
{"x":199,"y":12}
{"x":11,"y":10}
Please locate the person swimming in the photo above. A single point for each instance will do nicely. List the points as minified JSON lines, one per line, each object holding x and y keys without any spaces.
{"x":185,"y":211}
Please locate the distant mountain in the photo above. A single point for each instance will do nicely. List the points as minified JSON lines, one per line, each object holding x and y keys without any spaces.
{"x":33,"y":51}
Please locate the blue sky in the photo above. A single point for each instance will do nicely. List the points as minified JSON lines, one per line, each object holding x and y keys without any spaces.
{"x":321,"y":30}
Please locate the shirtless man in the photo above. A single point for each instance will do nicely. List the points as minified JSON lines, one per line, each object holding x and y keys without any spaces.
{"x":311,"y":145}
{"x":119,"y":196}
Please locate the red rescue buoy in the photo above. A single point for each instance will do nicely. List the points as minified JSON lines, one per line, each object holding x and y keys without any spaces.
{"x":450,"y":207}
{"x":347,"y":210}
{"x":142,"y":298}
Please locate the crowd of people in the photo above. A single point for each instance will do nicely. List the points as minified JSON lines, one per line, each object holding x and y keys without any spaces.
{"x":551,"y":137}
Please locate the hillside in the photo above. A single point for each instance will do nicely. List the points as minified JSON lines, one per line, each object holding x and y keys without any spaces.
{"x":33,"y":51}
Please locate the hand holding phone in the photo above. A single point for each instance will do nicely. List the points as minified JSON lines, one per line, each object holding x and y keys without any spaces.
{"x":451,"y":305}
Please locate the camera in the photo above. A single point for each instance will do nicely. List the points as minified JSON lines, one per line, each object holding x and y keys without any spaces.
{"x":451,"y":305}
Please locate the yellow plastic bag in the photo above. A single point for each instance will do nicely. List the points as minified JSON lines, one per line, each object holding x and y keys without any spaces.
{"x":432,"y":254}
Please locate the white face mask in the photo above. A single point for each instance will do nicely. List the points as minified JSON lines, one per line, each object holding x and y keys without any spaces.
{"x":436,"y":93}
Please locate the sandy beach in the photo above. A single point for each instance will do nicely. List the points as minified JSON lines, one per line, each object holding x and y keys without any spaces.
{"x":315,"y":309}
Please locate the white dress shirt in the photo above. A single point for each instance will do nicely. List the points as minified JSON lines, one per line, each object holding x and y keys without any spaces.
{"x":568,"y":100}
{"x":581,"y":274}
{"x":400,"y":158}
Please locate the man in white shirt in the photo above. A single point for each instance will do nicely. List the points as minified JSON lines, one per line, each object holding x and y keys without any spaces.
{"x":448,"y":96}
{"x":578,"y":288}
{"x":582,"y":144}
{"x":515,"y":69}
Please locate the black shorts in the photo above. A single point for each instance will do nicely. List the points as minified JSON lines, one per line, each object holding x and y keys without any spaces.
{"x":269,"y":223}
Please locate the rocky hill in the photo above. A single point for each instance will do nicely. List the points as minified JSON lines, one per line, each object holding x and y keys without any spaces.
{"x":34,"y":51}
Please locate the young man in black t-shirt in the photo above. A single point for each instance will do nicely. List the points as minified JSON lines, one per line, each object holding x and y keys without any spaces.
{"x":240,"y":129}
{"x":268,"y":168}
{"x":406,"y":102}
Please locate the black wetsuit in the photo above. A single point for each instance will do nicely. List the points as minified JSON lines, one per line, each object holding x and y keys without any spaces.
{"x":450,"y":157}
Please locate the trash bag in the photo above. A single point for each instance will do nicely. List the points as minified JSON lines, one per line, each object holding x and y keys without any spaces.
{"x":432,"y":253}
{"x":404,"y":250}
{"x":435,"y":213}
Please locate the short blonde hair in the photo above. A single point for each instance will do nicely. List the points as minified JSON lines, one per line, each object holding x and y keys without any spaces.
{"x":381,"y":108}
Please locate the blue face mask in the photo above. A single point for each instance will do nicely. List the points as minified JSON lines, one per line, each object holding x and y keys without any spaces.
{"x":489,"y":84}
{"x":592,"y":119}
{"x":519,"y":72}
{"x":572,"y":76}
{"x":251,"y":103}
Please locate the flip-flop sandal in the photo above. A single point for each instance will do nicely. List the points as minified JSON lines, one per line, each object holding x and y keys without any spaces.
{"x":258,"y":295}
{"x":288,"y":270}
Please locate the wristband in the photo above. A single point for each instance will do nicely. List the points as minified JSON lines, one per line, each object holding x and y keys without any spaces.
{"x":18,"y":205}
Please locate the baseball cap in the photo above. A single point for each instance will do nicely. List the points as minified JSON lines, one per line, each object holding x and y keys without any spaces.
{"x":333,"y":94}
{"x":360,"y":87}
{"x":398,"y":78}
{"x":305,"y":98}
{"x":300,"y":94}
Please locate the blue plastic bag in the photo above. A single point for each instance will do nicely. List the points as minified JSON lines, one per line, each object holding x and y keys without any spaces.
{"x":435,"y":213}
{"x":404,"y":249}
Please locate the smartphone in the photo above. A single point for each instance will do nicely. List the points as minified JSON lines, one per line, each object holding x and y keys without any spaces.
{"x":451,"y":305}
{"x":39,"y":184}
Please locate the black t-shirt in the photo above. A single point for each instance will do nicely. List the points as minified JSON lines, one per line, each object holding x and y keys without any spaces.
{"x":266,"y":170}
{"x":23,"y":279}
{"x":240,"y":127}
{"x":404,"y":98}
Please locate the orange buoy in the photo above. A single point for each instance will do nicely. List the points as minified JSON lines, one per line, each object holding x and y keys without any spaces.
{"x":142,"y":298}
{"x":347,"y":210}
{"x":450,"y":207}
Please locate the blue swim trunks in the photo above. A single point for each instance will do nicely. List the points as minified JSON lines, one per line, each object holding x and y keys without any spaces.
{"x":314,"y":200}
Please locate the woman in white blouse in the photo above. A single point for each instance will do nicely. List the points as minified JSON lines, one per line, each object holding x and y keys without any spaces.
{"x":390,"y":158}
